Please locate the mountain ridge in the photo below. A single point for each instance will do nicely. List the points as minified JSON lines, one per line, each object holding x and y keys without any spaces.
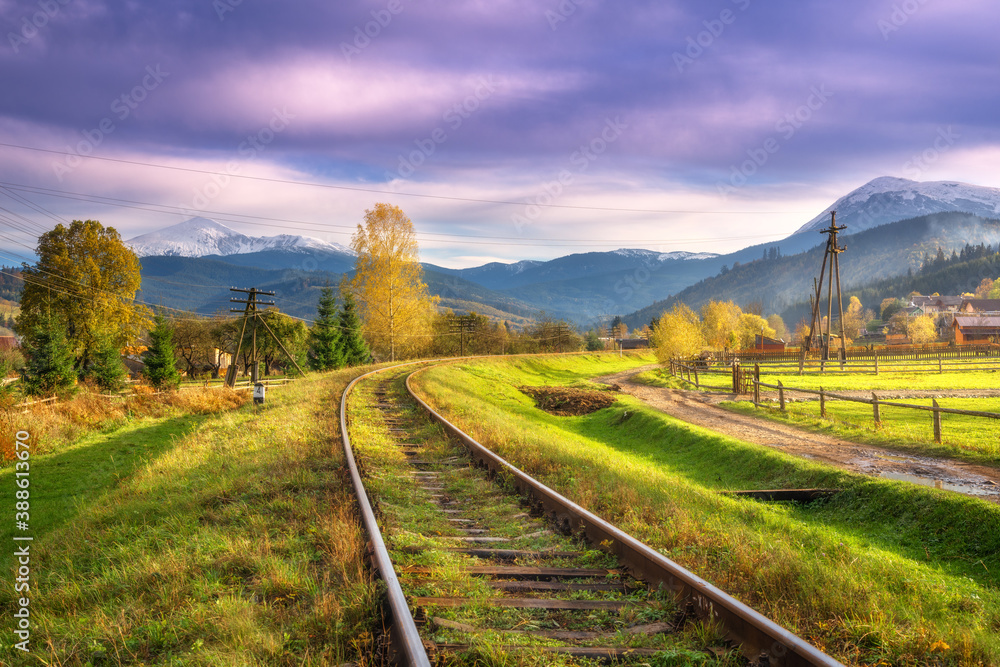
{"x":200,"y":237}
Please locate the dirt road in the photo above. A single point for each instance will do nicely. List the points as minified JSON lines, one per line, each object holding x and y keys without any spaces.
{"x":697,"y":408}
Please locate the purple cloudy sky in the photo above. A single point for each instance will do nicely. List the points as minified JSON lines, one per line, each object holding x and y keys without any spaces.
{"x":671,"y":125}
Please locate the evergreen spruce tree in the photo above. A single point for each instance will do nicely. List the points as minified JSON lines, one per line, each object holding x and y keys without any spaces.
{"x":353,"y":349}
{"x":161,"y":363}
{"x":50,"y":362}
{"x":324,"y":336}
{"x":106,"y":366}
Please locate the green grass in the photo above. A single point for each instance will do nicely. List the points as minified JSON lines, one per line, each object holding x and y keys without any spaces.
{"x":883,"y":571}
{"x":975,"y":439}
{"x":972,"y":379}
{"x":225,"y":538}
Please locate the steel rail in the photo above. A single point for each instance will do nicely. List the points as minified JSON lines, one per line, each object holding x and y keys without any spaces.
{"x":403,"y":628}
{"x":762,"y":640}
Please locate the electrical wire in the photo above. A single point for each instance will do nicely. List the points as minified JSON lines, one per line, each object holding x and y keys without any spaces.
{"x":326,"y":227}
{"x":375,"y":190}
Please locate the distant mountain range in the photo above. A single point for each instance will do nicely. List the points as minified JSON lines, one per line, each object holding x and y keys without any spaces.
{"x":886,"y":199}
{"x":208,"y":257}
{"x":201,"y":237}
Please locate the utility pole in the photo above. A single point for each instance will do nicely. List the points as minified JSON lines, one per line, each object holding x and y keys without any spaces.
{"x":461,"y":325}
{"x":251,"y":311}
{"x":832,"y":254}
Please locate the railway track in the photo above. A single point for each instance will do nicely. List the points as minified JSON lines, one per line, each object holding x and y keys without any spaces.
{"x":479,"y":559}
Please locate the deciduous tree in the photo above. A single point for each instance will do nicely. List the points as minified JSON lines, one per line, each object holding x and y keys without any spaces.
{"x":677,"y":334}
{"x":388,"y":283}
{"x":86,"y":277}
{"x":921,"y":330}
{"x":719,"y":322}
{"x":749,"y":326}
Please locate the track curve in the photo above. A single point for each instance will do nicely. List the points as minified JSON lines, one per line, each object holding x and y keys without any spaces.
{"x":762,"y":641}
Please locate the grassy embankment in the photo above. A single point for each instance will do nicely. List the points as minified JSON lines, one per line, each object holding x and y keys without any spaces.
{"x":885,"y":572}
{"x":975,"y":439}
{"x":884,"y":381}
{"x":190,"y":529}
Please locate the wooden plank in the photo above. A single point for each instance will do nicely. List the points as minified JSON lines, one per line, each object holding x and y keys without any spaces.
{"x":649,"y":629}
{"x":530,"y":603}
{"x":595,"y":652}
{"x":515,"y":572}
{"x":500,"y":554}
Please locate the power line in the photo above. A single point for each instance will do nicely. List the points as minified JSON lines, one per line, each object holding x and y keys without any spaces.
{"x":322,"y":227}
{"x":471,"y":200}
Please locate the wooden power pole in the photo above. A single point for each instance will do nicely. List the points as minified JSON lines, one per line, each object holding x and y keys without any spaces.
{"x":250,"y":311}
{"x":832,"y":254}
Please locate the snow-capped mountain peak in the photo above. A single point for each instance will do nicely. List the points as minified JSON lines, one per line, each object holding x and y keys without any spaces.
{"x":198,"y":237}
{"x":888,"y":199}
{"x":663,"y":256}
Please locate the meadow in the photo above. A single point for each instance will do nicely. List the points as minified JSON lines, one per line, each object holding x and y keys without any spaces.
{"x":974,"y":439}
{"x":191,"y":528}
{"x":882,"y":573}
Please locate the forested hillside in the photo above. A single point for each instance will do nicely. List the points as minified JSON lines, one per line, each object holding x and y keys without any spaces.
{"x":884,"y":253}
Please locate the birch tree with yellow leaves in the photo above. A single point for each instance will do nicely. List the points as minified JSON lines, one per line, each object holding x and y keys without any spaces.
{"x":388,"y":284}
{"x":86,"y":278}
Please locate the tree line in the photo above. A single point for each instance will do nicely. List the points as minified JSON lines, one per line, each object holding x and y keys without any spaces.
{"x":79,"y":318}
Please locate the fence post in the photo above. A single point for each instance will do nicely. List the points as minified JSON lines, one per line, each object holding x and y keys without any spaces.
{"x":781,"y":395}
{"x":756,"y":384}
{"x":736,"y":377}
{"x":696,"y":378}
{"x":802,"y":359}
{"x":875,"y":411}
{"x":937,"y":422}
{"x":876,"y":363}
{"x":822,"y":403}
{"x":939,"y":364}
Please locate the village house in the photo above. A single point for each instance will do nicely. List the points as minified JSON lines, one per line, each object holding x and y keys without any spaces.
{"x":930,"y":305}
{"x":983,"y":306}
{"x":767,"y":344}
{"x":976,"y":329}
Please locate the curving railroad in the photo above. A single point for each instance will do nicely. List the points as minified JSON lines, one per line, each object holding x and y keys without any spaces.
{"x":478,"y":556}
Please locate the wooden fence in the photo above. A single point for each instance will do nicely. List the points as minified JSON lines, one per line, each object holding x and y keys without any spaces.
{"x":885,"y":353}
{"x":980,"y":357}
{"x":744,"y":380}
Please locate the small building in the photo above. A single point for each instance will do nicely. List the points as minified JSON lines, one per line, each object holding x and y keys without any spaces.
{"x":9,"y":343}
{"x":937,"y":304}
{"x":896,"y":339}
{"x":980,"y":306}
{"x":972,"y":330}
{"x":633,"y":343}
{"x":766,"y":344}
